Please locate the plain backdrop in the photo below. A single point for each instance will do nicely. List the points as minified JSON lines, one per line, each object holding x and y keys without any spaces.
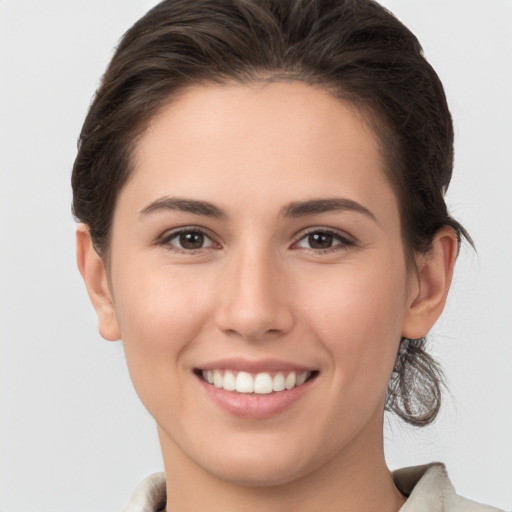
{"x":73,"y":435}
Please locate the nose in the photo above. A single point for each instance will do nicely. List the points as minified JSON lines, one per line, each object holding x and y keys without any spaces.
{"x":254,"y":301}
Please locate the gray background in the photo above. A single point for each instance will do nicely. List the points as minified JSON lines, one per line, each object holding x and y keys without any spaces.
{"x":73,"y":435}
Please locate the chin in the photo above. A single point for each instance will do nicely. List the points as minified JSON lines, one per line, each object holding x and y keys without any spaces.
{"x":277,"y":460}
{"x":257,"y":471}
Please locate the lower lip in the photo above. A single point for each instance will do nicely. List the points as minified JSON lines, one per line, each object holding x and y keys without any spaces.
{"x":253,"y":405}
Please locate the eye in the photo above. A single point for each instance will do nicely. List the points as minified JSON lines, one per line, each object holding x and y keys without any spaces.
{"x":187,"y":240}
{"x":324,"y":240}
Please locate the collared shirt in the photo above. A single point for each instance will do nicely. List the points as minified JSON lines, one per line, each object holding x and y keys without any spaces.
{"x":428,"y":489}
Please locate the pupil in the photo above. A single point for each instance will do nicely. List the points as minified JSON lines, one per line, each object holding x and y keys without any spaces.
{"x":320,"y":240}
{"x":191,"y":240}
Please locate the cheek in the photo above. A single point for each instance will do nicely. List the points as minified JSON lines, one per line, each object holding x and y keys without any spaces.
{"x":357,"y":315}
{"x":160,"y":311}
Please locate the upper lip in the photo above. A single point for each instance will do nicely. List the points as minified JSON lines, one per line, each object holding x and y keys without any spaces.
{"x":255,"y":366}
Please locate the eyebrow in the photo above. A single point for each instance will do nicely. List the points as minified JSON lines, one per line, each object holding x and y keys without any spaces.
{"x":315,"y":206}
{"x":183,"y":205}
{"x":294,"y":209}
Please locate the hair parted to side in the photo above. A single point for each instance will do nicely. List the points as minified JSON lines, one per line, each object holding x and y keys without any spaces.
{"x":355,"y":49}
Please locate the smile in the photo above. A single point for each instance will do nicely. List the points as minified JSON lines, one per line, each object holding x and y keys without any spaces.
{"x":262,"y":383}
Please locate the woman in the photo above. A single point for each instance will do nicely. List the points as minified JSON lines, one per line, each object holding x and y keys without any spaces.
{"x":260,"y":190}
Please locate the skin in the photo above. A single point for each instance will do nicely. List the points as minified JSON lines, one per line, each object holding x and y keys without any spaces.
{"x":257,"y":289}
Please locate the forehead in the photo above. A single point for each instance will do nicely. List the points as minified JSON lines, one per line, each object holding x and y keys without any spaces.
{"x":259,"y":141}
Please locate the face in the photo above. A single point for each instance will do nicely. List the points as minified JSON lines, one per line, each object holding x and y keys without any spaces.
{"x":259,"y":280}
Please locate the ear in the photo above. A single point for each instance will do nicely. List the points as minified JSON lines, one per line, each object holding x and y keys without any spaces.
{"x":430,"y":284}
{"x":95,"y":277}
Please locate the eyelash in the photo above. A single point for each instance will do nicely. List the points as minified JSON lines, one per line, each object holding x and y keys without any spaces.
{"x":344,"y":241}
{"x":166,"y":239}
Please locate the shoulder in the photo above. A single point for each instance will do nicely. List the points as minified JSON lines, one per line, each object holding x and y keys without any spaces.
{"x":429,"y":490}
{"x":149,"y":496}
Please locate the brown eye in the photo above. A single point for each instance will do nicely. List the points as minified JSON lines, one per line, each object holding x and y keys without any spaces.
{"x":191,"y":240}
{"x":320,"y":240}
{"x":187,"y":240}
{"x":323,"y":240}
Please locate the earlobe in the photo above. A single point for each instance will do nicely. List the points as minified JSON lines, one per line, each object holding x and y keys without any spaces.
{"x":93,"y":272}
{"x":433,"y":278}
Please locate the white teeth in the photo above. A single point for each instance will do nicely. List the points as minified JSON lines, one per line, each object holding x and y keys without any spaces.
{"x":290,"y":381}
{"x":261,"y":383}
{"x":217,"y":378}
{"x":301,"y":378}
{"x":229,"y":381}
{"x":278,"y":383}
{"x":244,"y":383}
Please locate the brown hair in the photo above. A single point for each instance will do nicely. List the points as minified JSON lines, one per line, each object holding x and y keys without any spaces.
{"x":354,"y":48}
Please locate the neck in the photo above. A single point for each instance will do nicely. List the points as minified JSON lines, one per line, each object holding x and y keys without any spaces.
{"x":356,"y":480}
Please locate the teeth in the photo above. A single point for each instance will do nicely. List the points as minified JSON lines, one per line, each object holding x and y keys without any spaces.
{"x":301,"y":378}
{"x":290,"y":381}
{"x":260,"y":383}
{"x":229,"y":381}
{"x":278,"y":383}
{"x":244,"y":383}
{"x":263,"y":384}
{"x":217,"y":378}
